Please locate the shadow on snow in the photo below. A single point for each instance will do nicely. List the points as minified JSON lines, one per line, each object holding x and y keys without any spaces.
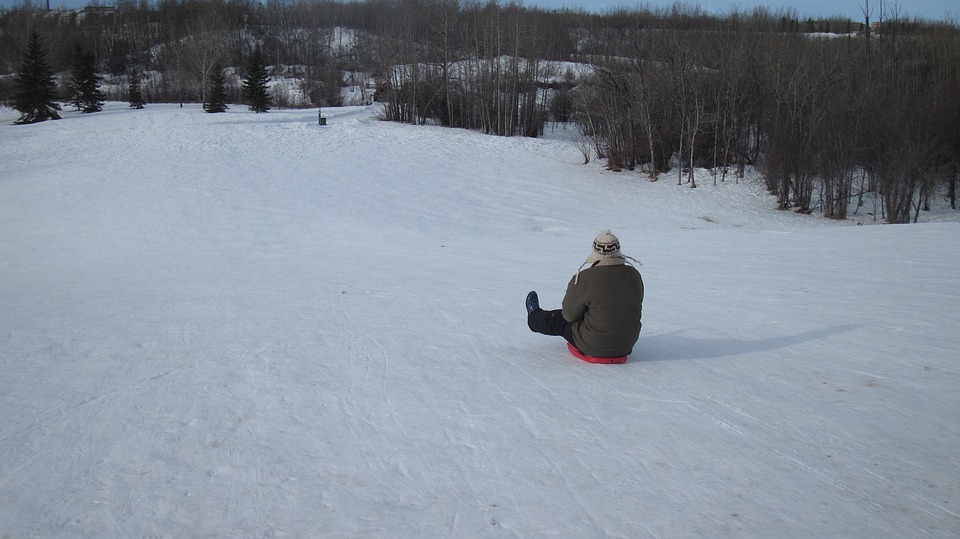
{"x":673,"y":345}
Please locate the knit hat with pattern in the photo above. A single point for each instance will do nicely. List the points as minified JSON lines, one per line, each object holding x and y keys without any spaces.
{"x":606,"y":250}
{"x":606,"y":245}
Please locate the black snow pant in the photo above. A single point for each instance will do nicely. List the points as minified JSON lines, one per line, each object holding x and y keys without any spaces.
{"x":550,"y":323}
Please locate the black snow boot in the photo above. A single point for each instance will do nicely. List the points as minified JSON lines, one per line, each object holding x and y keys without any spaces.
{"x":533,"y":302}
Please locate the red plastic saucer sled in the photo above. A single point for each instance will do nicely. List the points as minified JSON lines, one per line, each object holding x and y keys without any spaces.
{"x":591,"y":359}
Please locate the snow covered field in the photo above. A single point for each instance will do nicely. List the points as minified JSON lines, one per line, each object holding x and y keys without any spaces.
{"x":245,"y":325}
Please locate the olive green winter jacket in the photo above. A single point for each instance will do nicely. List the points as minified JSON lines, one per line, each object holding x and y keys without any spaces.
{"x":603,"y":305}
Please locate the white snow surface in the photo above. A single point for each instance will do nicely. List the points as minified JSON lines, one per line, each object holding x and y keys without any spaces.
{"x":242,"y":325}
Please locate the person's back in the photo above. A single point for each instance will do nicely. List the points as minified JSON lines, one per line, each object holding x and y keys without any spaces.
{"x":604,"y":309}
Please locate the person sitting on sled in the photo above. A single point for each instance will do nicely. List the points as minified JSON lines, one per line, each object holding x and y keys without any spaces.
{"x":602,"y":306}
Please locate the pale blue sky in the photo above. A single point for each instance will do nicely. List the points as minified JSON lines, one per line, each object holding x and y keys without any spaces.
{"x":928,"y":9}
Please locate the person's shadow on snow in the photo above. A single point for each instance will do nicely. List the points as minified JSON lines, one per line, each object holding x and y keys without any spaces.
{"x":673,"y":345}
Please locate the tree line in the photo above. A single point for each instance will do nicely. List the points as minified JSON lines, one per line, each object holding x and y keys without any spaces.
{"x":830,"y":110}
{"x":828,"y":119}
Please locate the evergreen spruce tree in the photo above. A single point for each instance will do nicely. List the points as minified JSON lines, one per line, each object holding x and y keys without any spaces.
{"x":35,"y":88}
{"x":216,"y":91}
{"x":255,"y":89}
{"x":136,"y":94}
{"x":85,"y":91}
{"x":73,"y":85}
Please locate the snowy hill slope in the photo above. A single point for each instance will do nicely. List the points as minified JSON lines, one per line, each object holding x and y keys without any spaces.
{"x":245,"y":325}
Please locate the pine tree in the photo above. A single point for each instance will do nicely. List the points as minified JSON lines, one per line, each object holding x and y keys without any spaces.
{"x":85,"y":91}
{"x":73,"y":85}
{"x":255,"y":89}
{"x":216,"y":91}
{"x":34,"y":84}
{"x":136,"y":94}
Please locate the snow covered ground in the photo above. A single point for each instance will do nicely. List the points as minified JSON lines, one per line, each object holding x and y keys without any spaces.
{"x":244,"y":325}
